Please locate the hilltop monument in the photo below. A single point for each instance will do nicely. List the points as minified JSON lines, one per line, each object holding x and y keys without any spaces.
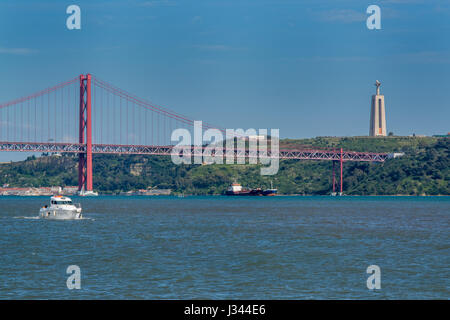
{"x":377,"y":114}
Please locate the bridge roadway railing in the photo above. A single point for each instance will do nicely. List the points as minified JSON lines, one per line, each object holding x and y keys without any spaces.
{"x":293,"y":154}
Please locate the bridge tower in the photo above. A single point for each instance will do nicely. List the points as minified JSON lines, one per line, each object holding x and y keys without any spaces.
{"x":341,"y":161}
{"x":85,"y":136}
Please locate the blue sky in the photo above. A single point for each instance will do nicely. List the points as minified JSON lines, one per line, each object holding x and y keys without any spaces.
{"x":305,"y":67}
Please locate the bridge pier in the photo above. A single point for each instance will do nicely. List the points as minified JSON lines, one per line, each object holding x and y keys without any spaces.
{"x":341,"y":160}
{"x":334,"y":178}
{"x":85,"y":135}
{"x":341,"y":180}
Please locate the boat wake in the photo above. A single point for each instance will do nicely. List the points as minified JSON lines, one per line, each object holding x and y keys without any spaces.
{"x":30,"y":218}
{"x":39,"y":218}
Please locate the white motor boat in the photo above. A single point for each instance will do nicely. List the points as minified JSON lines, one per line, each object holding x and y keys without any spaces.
{"x":61,"y":208}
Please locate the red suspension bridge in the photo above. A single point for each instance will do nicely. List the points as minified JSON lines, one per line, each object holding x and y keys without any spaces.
{"x":110,"y":120}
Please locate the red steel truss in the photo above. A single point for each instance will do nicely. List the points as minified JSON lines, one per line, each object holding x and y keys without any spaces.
{"x":288,"y":154}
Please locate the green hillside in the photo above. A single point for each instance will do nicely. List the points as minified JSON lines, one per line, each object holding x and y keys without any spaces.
{"x":425,"y":169}
{"x":369,"y":144}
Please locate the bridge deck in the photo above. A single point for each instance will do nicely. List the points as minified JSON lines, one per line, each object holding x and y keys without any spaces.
{"x":293,"y":154}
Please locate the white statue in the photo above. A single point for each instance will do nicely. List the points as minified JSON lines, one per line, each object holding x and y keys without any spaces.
{"x":378,"y":84}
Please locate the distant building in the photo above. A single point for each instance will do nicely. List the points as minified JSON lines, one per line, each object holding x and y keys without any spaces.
{"x":147,"y":192}
{"x":30,"y":191}
{"x":260,"y":137}
{"x":69,"y":190}
{"x":155,"y":192}
{"x":377,"y":114}
{"x":395,"y":155}
{"x":442,"y":135}
{"x":417,"y":135}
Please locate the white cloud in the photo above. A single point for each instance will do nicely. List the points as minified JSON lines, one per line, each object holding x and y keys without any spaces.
{"x":158,"y":3}
{"x":439,"y":57}
{"x":423,"y":57}
{"x":212,"y":47}
{"x":342,"y":15}
{"x":216,"y":47}
{"x":196,"y":19}
{"x":17,"y":51}
{"x":403,"y":1}
{"x":332,"y":59}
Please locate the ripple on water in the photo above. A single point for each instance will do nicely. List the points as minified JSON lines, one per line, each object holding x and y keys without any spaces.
{"x":217,"y":247}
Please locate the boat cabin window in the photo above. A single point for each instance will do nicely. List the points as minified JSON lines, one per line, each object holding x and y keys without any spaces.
{"x":61,"y":202}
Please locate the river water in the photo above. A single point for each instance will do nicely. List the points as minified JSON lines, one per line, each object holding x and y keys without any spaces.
{"x":228,"y":248}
